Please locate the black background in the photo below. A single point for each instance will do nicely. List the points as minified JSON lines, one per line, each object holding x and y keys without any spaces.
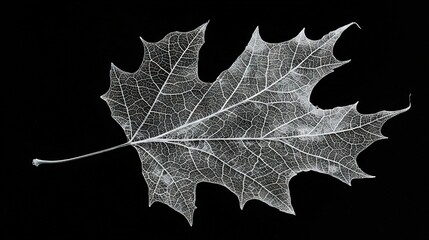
{"x":51,"y":109}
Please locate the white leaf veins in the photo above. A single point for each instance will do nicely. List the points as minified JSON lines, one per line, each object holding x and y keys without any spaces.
{"x":251,"y":130}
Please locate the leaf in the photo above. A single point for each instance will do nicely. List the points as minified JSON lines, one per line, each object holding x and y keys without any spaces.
{"x":251,"y":130}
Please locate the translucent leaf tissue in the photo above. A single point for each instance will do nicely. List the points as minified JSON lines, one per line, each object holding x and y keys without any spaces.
{"x":251,"y":130}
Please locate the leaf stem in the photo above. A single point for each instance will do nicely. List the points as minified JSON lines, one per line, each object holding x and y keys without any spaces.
{"x":37,"y":162}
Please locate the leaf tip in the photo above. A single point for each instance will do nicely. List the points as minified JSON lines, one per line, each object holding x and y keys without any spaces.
{"x":117,"y":71}
{"x":370,"y":176}
{"x":397,"y":112}
{"x":242,"y":203}
{"x":190,"y":221}
{"x":366,"y":175}
{"x":256,"y":35}
{"x":203,"y":27}
{"x":151,"y":199}
{"x":290,"y":210}
{"x":113,"y":68}
{"x":362,"y":175}
{"x":190,"y":217}
{"x":409,"y":103}
{"x":345,"y":62}
{"x":257,"y":29}
{"x":382,"y":137}
{"x":301,"y":34}
{"x":353,"y":23}
{"x":340,"y":30}
{"x":143,"y":41}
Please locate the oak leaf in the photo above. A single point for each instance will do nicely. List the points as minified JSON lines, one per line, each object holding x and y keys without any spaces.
{"x":251,"y":130}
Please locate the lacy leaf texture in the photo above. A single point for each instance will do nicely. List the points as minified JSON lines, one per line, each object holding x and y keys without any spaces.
{"x":251,"y":130}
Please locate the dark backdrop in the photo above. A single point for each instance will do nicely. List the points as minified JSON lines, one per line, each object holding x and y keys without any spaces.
{"x":51,"y":109}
